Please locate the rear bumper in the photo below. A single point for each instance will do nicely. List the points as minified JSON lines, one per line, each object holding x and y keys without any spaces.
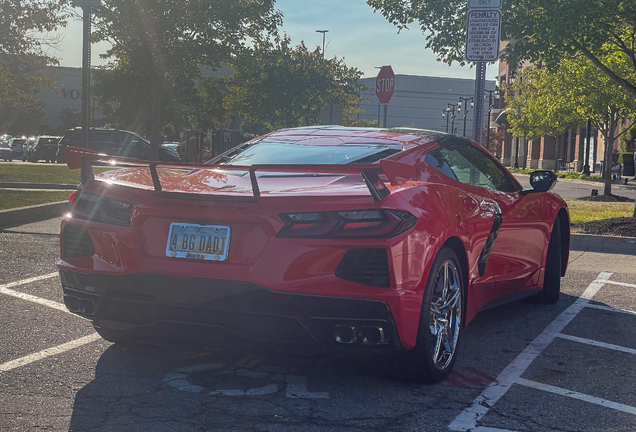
{"x":173,"y":309}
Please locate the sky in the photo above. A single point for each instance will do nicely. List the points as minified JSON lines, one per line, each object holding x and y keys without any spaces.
{"x":364,"y":38}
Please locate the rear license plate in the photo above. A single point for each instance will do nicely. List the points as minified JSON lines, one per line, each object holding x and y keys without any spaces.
{"x":202,"y":242}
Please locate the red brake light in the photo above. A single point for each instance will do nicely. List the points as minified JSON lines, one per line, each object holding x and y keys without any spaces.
{"x":71,"y":200}
{"x":347,"y":224}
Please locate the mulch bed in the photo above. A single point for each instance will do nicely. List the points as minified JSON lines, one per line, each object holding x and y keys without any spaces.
{"x":606,"y":198}
{"x":621,"y":226}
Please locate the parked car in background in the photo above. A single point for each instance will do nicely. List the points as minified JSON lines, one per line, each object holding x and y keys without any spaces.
{"x":17,"y":146}
{"x":114,"y":142}
{"x":5,"y":151}
{"x":171,"y":145}
{"x":45,"y":147}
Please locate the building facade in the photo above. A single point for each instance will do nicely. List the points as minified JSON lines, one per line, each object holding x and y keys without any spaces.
{"x":418,"y":101}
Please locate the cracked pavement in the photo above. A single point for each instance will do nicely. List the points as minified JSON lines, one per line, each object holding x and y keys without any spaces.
{"x":102,"y":387}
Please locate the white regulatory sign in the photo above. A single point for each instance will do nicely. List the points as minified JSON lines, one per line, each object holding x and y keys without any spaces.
{"x":87,"y":2}
{"x":484,"y":4}
{"x":482,"y":35}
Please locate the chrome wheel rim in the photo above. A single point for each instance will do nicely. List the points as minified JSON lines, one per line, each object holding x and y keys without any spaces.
{"x":445,"y":315}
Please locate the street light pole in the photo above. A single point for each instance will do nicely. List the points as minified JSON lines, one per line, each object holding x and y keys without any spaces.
{"x":459,"y":108}
{"x":324,"y":32}
{"x":450,"y":108}
{"x":497,"y":94}
{"x":586,"y":167}
{"x":446,"y":117}
{"x":86,"y":74}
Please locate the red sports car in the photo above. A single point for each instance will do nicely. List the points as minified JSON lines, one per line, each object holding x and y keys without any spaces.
{"x":317,"y":239}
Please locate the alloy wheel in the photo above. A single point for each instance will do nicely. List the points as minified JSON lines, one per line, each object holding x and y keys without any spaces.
{"x":445,"y":314}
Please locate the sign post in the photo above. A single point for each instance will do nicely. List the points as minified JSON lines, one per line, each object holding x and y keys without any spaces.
{"x":384,"y":88}
{"x":483,"y":32}
{"x":86,"y":65}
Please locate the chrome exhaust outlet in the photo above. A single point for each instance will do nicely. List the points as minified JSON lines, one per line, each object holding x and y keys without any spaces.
{"x":345,"y":334}
{"x":86,"y":307}
{"x":373,"y":336}
{"x":72,"y":303}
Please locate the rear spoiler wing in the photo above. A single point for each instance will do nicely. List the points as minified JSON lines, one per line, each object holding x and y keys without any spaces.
{"x":396,"y":172}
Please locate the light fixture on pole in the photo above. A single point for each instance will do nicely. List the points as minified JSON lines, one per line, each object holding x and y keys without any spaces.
{"x":324,"y":32}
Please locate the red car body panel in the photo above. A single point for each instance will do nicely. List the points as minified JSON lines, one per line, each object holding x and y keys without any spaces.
{"x":445,"y":209}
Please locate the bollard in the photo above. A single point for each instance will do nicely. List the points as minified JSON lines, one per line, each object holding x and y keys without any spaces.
{"x":594,"y":192}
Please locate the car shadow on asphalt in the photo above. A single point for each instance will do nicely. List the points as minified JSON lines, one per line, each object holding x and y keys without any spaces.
{"x":147,"y":388}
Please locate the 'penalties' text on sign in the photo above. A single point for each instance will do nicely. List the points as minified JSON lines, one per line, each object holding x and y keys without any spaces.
{"x":482,"y":36}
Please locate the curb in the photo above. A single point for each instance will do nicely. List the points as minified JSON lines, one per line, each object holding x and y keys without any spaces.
{"x":603,"y":244}
{"x":34,"y":213}
{"x":11,"y":185}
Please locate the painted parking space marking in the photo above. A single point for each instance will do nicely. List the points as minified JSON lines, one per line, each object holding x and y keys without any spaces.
{"x":295,"y":385}
{"x":23,"y":361}
{"x":621,"y":284}
{"x":467,"y":420}
{"x":610,"y":309}
{"x":6,"y":290}
{"x":597,"y":343}
{"x":576,"y":395}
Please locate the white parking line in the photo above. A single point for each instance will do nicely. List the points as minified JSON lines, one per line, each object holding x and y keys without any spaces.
{"x":5,"y":289}
{"x":611,"y":309}
{"x":467,"y":419}
{"x":576,"y":395}
{"x":621,"y":284}
{"x":23,"y":361}
{"x":597,"y":343}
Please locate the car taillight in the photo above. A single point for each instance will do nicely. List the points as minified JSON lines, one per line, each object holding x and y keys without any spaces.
{"x":102,"y":209}
{"x":71,"y":200}
{"x":347,"y":224}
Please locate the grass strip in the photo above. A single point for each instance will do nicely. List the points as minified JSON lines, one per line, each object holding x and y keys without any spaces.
{"x":44,"y":173}
{"x":585,"y":211}
{"x":10,"y":199}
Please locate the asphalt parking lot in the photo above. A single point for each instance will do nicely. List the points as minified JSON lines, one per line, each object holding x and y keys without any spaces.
{"x":522,"y":367}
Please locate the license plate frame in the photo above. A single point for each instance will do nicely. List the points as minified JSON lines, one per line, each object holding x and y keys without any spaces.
{"x":181,"y":229}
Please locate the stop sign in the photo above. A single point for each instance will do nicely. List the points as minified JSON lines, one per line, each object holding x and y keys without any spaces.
{"x":385,"y":84}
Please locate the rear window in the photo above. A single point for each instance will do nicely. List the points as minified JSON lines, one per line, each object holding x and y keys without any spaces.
{"x":280,"y":153}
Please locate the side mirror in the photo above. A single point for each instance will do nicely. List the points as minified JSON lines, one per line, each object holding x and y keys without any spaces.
{"x":542,"y":181}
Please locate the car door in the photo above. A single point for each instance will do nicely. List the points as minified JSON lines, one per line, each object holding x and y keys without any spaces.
{"x":518,"y":249}
{"x":137,"y":148}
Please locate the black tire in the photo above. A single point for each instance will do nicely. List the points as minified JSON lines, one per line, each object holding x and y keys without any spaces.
{"x":115,"y":336}
{"x":552,"y":280}
{"x":418,"y":365}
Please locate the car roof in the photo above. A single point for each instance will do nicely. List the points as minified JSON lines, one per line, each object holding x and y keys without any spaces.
{"x":340,"y":135}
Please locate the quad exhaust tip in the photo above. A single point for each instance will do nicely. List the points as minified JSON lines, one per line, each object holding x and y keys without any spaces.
{"x":365,"y":335}
{"x":79,"y":305}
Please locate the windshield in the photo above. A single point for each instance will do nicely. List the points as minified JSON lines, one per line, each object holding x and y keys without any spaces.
{"x":275,"y":153}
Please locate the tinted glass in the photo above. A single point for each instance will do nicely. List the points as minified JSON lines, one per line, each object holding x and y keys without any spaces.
{"x":49,"y":142}
{"x":466,"y":164}
{"x":4,"y":145}
{"x":267,"y":152}
{"x":75,"y":137}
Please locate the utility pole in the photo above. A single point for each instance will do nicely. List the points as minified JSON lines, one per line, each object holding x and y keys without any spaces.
{"x":324,"y":32}
{"x":446,"y":117}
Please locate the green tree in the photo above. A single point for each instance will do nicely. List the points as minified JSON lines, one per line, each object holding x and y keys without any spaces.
{"x":543,"y":30}
{"x":23,"y":44}
{"x":159,"y":46}
{"x":552,"y":101}
{"x":276,"y":85}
